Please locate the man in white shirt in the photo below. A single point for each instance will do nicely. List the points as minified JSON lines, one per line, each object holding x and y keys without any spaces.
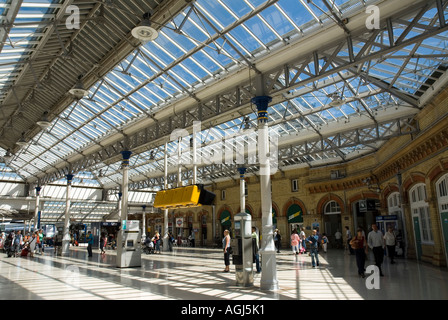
{"x":389,"y":238}
{"x":375,"y":241}
{"x":338,"y":238}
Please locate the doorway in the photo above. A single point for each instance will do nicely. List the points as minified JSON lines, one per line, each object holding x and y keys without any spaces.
{"x":332,"y":221}
{"x":366,"y":211}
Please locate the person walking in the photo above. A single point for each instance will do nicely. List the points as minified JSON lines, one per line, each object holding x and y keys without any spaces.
{"x":2,"y":241}
{"x":349,"y":238}
{"x":226,"y":248}
{"x":103,"y":243}
{"x":40,"y":234}
{"x":255,"y":249}
{"x":277,"y":240}
{"x":390,"y":240}
{"x":324,"y":242}
{"x":17,"y":244}
{"x":295,"y":242}
{"x":313,"y":241}
{"x":157,"y":242}
{"x":359,"y":245}
{"x":89,"y":239}
{"x":37,"y":247}
{"x":302,"y":237}
{"x":192,"y":239}
{"x":375,"y":240}
{"x":170,"y":241}
{"x":32,"y":243}
{"x":338,"y":239}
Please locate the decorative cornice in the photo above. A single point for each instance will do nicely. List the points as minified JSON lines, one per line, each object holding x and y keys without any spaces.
{"x":430,"y":145}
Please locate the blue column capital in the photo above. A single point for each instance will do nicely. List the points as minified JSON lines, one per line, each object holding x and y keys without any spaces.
{"x":38,"y":189}
{"x":242,"y":171}
{"x":119,"y":195}
{"x":144,"y":207}
{"x":69,"y":178}
{"x":262,"y":103}
{"x":126,"y":154}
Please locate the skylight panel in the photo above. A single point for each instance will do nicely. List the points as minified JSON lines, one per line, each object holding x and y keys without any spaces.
{"x":222,"y":51}
{"x":119,"y":81}
{"x":208,"y":62}
{"x":47,"y":139}
{"x":76,"y":140}
{"x":158,"y":55}
{"x":114,"y":118}
{"x":156,"y":91}
{"x":222,"y":13}
{"x":142,"y":99}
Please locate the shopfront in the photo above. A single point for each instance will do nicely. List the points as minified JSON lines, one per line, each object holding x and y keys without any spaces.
{"x":295,"y":217}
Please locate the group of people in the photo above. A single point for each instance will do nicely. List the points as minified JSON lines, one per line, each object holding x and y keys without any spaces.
{"x":15,"y":243}
{"x":226,"y":246}
{"x":376,"y":241}
{"x":300,"y":244}
{"x":155,"y":241}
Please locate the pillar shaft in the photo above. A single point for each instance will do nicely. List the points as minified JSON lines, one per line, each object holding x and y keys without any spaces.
{"x":66,"y":237}
{"x":36,"y":210}
{"x":125,"y":182}
{"x":121,"y":251}
{"x":143,"y":223}
{"x":119,"y":206}
{"x":269,"y":262}
{"x":165,"y":211}
{"x":242,"y":171}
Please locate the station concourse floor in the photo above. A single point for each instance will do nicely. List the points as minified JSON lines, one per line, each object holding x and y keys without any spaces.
{"x":197,"y":274}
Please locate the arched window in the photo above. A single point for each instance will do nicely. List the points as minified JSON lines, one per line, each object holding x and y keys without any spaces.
{"x":420,"y":213}
{"x":332,"y":207}
{"x":442,"y":193}
{"x":442,"y":200}
{"x":393,"y":203}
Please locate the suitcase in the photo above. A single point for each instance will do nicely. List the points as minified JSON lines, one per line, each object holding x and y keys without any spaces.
{"x":24,"y":252}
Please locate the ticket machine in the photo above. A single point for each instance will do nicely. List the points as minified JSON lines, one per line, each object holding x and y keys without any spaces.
{"x":242,"y":255}
{"x":129,"y":245}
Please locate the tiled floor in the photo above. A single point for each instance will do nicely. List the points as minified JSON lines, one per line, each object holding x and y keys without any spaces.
{"x":196,"y":274}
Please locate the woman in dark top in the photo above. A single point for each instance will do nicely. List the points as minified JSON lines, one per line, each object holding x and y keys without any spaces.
{"x":226,"y":248}
{"x":359,"y":245}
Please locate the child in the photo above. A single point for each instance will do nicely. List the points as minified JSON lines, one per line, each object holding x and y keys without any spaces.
{"x":324,"y":242}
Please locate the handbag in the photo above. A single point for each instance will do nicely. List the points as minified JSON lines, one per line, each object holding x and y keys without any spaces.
{"x":230,"y":250}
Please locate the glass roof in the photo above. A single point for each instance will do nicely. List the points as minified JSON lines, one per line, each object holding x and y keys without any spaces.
{"x":207,"y":41}
{"x":26,"y":29}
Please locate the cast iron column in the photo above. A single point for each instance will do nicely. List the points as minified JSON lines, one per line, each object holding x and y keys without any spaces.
{"x":269,"y":262}
{"x":36,"y":210}
{"x":66,"y":238}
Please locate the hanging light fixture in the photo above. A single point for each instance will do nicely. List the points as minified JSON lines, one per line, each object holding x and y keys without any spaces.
{"x":246,"y":123}
{"x":78,"y":90}
{"x":44,"y":123}
{"x":144,"y":32}
{"x":336,"y":100}
{"x":22,"y":141}
{"x":7,"y":157}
